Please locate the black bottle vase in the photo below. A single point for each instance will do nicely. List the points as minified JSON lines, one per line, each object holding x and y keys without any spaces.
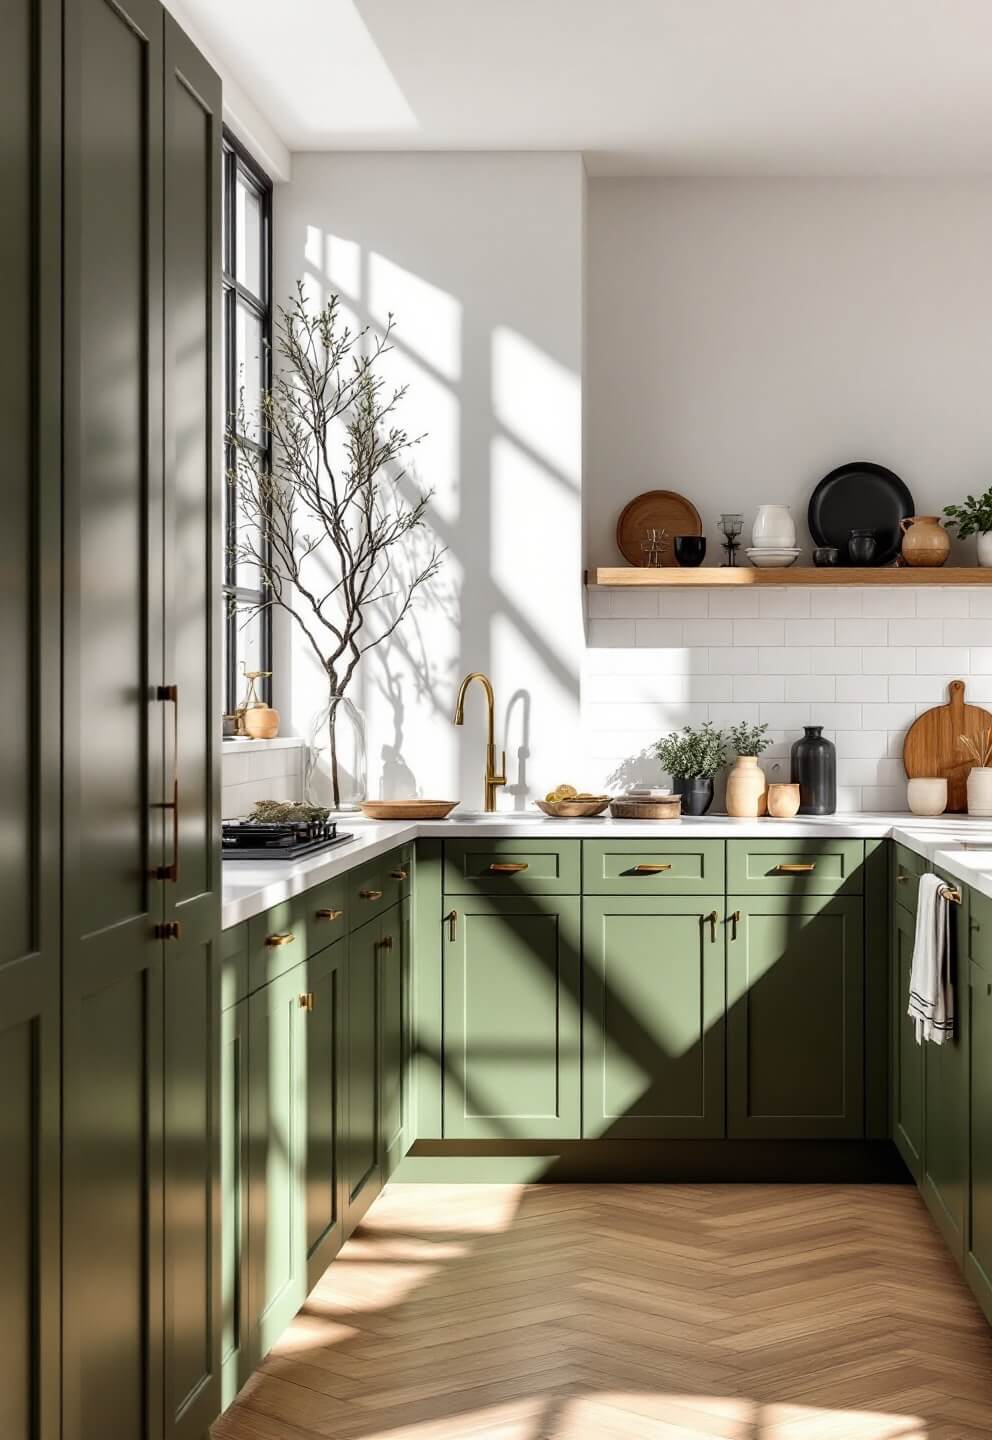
{"x":814,"y":770}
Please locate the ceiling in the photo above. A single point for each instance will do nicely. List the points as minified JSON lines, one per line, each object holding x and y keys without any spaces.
{"x":661,"y":87}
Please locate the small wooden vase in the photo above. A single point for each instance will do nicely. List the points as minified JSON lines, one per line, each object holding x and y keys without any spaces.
{"x":262,"y":722}
{"x":783,"y":801}
{"x":747,"y":789}
{"x":924,"y":540}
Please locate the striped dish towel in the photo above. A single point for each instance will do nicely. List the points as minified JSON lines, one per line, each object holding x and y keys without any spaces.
{"x":931,"y":990}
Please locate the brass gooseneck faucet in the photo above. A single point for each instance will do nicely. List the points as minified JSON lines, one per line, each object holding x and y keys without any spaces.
{"x":491,"y":777}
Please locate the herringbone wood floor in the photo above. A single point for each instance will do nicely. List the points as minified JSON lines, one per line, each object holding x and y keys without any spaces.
{"x":628,"y":1311}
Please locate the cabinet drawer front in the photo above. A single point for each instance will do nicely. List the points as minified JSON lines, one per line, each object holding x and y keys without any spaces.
{"x":369,"y":892}
{"x":795,"y":867}
{"x":397,"y":874}
{"x":508,"y":867}
{"x":277,"y":940}
{"x":980,"y":929}
{"x":649,"y":867}
{"x":908,"y":868}
{"x":326,"y":909}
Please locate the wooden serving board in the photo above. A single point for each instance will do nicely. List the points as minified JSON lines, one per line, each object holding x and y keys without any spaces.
{"x":933,"y":748}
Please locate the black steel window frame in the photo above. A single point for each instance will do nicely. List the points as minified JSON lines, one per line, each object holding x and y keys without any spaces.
{"x":238,"y":162}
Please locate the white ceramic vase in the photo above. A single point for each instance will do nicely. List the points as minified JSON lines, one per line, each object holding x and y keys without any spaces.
{"x":980,"y":790}
{"x":774,"y":528}
{"x":747,"y":789}
{"x":985,"y":548}
{"x":927,"y":796}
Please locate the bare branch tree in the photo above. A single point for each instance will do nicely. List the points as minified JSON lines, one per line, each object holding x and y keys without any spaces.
{"x":322,"y":524}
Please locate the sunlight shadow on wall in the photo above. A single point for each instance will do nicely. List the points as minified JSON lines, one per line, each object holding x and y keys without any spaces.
{"x":539,"y":401}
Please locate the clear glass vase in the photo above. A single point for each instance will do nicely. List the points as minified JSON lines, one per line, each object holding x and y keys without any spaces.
{"x":337,"y":758}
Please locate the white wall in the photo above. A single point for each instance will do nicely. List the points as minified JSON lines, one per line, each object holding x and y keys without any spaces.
{"x":480,"y":258}
{"x":744,"y":337}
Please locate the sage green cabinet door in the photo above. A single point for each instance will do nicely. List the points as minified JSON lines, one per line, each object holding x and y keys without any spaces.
{"x":394,"y":1000}
{"x":946,"y":1103}
{"x":653,"y":1038}
{"x":795,"y":1018}
{"x":907,"y":1054}
{"x":237,"y":1358}
{"x":326,"y":1034}
{"x":978,"y":1255}
{"x":114,"y":724}
{"x":363,"y":1170}
{"x":277,"y":1155}
{"x":512,"y":1006}
{"x":30,"y":1019}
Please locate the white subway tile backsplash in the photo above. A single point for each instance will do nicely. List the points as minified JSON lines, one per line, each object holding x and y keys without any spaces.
{"x":863,"y":663}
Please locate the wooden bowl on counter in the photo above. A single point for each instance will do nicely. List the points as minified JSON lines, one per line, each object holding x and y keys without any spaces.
{"x":408,"y":809}
{"x":647,"y":809}
{"x":574,"y":809}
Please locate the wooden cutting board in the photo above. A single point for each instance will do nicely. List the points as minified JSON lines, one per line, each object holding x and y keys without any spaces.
{"x":655,"y":510}
{"x":933,"y":748}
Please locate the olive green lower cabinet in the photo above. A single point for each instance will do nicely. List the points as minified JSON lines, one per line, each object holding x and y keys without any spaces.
{"x":512,"y":1017}
{"x":795,"y":1017}
{"x":654,"y":1000}
{"x":906,"y":1082}
{"x":978,"y":1251}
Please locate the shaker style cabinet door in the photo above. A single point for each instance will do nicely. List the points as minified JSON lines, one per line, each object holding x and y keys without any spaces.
{"x":946,"y":1102}
{"x":325,"y":1033}
{"x":907,"y":1056}
{"x":512,"y":1007}
{"x":795,"y":1018}
{"x":363,"y":1167}
{"x":237,"y":1358}
{"x":30,"y":362}
{"x":978,"y":1252}
{"x":190,"y":526}
{"x":653,"y":1037}
{"x":113,"y":750}
{"x":394,"y":1004}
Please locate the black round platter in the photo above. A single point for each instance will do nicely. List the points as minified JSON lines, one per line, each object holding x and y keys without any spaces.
{"x":860,"y":496}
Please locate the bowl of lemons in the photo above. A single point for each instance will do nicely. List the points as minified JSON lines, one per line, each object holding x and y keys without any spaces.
{"x":564,"y":802}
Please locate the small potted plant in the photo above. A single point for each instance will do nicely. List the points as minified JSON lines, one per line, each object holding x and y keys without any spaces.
{"x":692,"y":757}
{"x":974,"y":517}
{"x":747,"y":788}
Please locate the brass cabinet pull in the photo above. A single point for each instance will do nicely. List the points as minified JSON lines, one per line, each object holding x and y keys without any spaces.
{"x":171,"y":872}
{"x":735,"y":920}
{"x":386,"y":943}
{"x":452,"y":919}
{"x":806,"y":868}
{"x":711,"y":920}
{"x":951,"y":893}
{"x":399,"y":875}
{"x":901,"y":875}
{"x":650,"y":869}
{"x":370,"y":894}
{"x":507,"y":867}
{"x":170,"y":930}
{"x":328,"y":914}
{"x":307,"y":1001}
{"x":274,"y":941}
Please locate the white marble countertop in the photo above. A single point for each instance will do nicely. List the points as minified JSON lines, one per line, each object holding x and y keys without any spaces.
{"x":954,"y":842}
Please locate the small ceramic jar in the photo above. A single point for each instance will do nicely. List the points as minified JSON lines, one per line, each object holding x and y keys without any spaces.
{"x":783,"y":801}
{"x":861,"y":547}
{"x":985,"y":548}
{"x":980,"y":790}
{"x":927,"y":796}
{"x":774,"y":528}
{"x":261,"y":722}
{"x":924,"y":540}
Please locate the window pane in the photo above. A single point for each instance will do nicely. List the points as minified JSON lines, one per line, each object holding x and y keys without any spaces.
{"x":250,"y":371}
{"x":248,"y":649}
{"x":248,"y":231}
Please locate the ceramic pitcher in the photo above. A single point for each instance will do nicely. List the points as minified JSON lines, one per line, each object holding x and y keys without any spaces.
{"x":924,"y":540}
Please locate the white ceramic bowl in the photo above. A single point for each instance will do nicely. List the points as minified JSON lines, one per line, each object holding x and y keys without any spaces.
{"x":927,"y":796}
{"x":773,"y":559}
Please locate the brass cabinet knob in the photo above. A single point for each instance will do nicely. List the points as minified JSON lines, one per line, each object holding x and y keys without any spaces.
{"x":386,"y":943}
{"x":307,"y":1001}
{"x":274,"y":941}
{"x":170,"y":930}
{"x":328,"y":914}
{"x":398,"y":875}
{"x":370,"y":894}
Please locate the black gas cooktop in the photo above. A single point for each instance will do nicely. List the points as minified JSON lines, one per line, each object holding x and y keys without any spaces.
{"x":285,"y":840}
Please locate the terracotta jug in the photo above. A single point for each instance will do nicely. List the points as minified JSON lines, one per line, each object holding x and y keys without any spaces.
{"x":747,"y":789}
{"x":924,"y":540}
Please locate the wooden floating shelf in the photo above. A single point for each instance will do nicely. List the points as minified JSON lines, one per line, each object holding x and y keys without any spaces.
{"x":625,"y":575}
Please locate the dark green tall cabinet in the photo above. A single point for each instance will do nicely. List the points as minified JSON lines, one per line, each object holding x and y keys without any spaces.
{"x":110,"y":868}
{"x":30,"y":239}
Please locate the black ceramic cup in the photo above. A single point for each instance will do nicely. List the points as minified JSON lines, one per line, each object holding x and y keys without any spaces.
{"x":696,"y":792}
{"x":861,"y":547}
{"x":826,"y":555}
{"x":690,"y":549}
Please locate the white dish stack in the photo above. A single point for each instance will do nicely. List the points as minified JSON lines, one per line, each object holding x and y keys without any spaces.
{"x":773,"y":538}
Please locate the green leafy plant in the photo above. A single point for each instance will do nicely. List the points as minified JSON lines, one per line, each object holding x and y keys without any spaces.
{"x":748,"y":739}
{"x":973,"y":517}
{"x":691,"y":753}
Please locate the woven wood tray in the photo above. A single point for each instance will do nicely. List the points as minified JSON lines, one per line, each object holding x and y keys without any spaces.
{"x":646,"y":809}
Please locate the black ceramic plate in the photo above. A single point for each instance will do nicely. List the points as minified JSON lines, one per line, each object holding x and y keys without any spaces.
{"x":860,"y":496}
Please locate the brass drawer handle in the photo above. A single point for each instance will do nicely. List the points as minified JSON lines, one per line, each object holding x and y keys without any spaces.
{"x":399,"y":875}
{"x":650,"y":869}
{"x":307,"y":1001}
{"x":370,"y":894}
{"x":901,"y":876}
{"x":452,"y":919}
{"x":805,"y":869}
{"x":273,"y":941}
{"x":328,"y":914}
{"x":951,"y":893}
{"x":507,"y":867}
{"x":735,"y":920}
{"x":711,"y":920}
